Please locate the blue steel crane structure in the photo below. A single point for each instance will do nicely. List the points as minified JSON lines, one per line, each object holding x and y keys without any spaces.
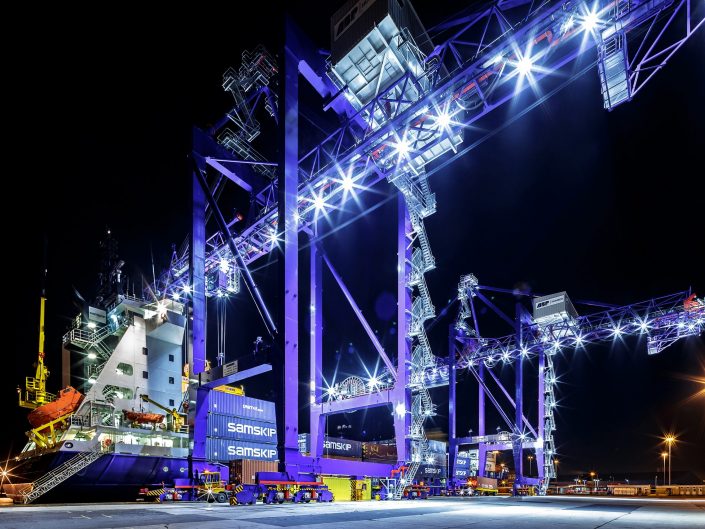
{"x":403,"y":104}
{"x":554,"y":327}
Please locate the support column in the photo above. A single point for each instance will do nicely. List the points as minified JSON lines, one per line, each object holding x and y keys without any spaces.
{"x":452,"y":425}
{"x":541,"y":416}
{"x":517,"y":448}
{"x":482,"y":448}
{"x":197,"y":263}
{"x":287,"y":365}
{"x":402,"y":422}
{"x":317,"y":428}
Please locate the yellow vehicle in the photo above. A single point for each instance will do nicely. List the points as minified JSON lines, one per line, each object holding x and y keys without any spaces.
{"x":211,"y":488}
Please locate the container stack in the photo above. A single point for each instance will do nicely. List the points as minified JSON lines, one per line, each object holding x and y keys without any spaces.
{"x":240,"y":428}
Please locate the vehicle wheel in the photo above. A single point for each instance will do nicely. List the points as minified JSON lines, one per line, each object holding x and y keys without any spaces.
{"x":280,"y":502}
{"x":221,"y":497}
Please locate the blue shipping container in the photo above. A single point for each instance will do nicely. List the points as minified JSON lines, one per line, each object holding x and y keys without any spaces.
{"x":238,"y":406}
{"x":462,"y":472}
{"x":437,"y":447}
{"x":462,"y":462}
{"x":332,"y":446}
{"x":431,"y":471}
{"x":239,"y":428}
{"x":219,"y":449}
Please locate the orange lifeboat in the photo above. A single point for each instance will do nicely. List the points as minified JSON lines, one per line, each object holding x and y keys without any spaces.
{"x":67,"y":401}
{"x":142,"y":417}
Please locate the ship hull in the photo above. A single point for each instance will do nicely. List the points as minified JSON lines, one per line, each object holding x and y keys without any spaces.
{"x":113,"y":477}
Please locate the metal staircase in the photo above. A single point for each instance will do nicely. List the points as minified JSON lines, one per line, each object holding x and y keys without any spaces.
{"x":420,"y":203}
{"x":612,"y":66}
{"x":64,"y":472}
{"x":549,"y":425}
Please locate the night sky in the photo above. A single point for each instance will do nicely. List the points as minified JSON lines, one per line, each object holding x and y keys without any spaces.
{"x":602,"y":205}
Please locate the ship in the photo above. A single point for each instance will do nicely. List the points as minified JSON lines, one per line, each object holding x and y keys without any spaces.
{"x":121,"y":421}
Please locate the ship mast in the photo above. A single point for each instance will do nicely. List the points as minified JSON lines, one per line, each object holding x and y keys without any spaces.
{"x":35,"y":393}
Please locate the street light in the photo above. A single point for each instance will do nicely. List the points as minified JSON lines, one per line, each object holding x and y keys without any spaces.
{"x":531,"y":459}
{"x":664,"y":455}
{"x":670,"y":439}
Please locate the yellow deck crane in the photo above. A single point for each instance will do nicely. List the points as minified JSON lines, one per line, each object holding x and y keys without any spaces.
{"x":35,"y":393}
{"x":177,"y":419}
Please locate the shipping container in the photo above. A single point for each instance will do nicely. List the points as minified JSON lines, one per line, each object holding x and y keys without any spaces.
{"x":379,"y":452}
{"x":239,"y":406}
{"x":436,"y":459}
{"x":219,"y":449}
{"x":227,"y":426}
{"x":462,"y":462}
{"x":332,"y":446}
{"x":462,"y":473}
{"x":426,"y":472}
{"x":340,"y":487}
{"x":437,"y":447}
{"x":245,"y":470}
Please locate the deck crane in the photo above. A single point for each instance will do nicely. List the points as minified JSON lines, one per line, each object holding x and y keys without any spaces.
{"x":177,"y":420}
{"x":392,"y":128}
{"x":35,"y":393}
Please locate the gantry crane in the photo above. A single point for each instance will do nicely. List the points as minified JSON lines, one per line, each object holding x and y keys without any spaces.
{"x":553,"y":327}
{"x":395,"y":128}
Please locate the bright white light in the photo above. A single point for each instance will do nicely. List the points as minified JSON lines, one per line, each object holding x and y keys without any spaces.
{"x":92,"y":380}
{"x":373,"y":382}
{"x":400,"y":409}
{"x":313,"y":385}
{"x":219,"y":293}
{"x":617,"y":331}
{"x":313,"y":399}
{"x":119,"y":394}
{"x":175,"y":295}
{"x":644,"y":326}
{"x":568,"y":24}
{"x":187,"y":289}
{"x":273,"y":237}
{"x":319,"y":203}
{"x":525,"y":65}
{"x":402,"y":147}
{"x":91,"y":325}
{"x":578,"y":340}
{"x":224,"y":265}
{"x":590,"y":21}
{"x":347,"y":184}
{"x":443,"y":120}
{"x":524,"y":351}
{"x":505,"y":356}
{"x":92,"y":356}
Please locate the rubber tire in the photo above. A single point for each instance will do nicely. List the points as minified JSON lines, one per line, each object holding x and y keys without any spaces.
{"x":221,"y":497}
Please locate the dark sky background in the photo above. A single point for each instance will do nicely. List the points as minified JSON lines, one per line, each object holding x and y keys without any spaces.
{"x":603,"y":205}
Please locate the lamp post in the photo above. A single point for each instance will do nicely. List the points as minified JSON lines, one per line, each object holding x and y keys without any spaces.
{"x":664,"y":455}
{"x":3,"y":475}
{"x":670,"y":439}
{"x":555,"y":464}
{"x":531,"y":458}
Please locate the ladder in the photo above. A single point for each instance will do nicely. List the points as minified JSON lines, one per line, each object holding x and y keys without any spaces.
{"x":63,"y":472}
